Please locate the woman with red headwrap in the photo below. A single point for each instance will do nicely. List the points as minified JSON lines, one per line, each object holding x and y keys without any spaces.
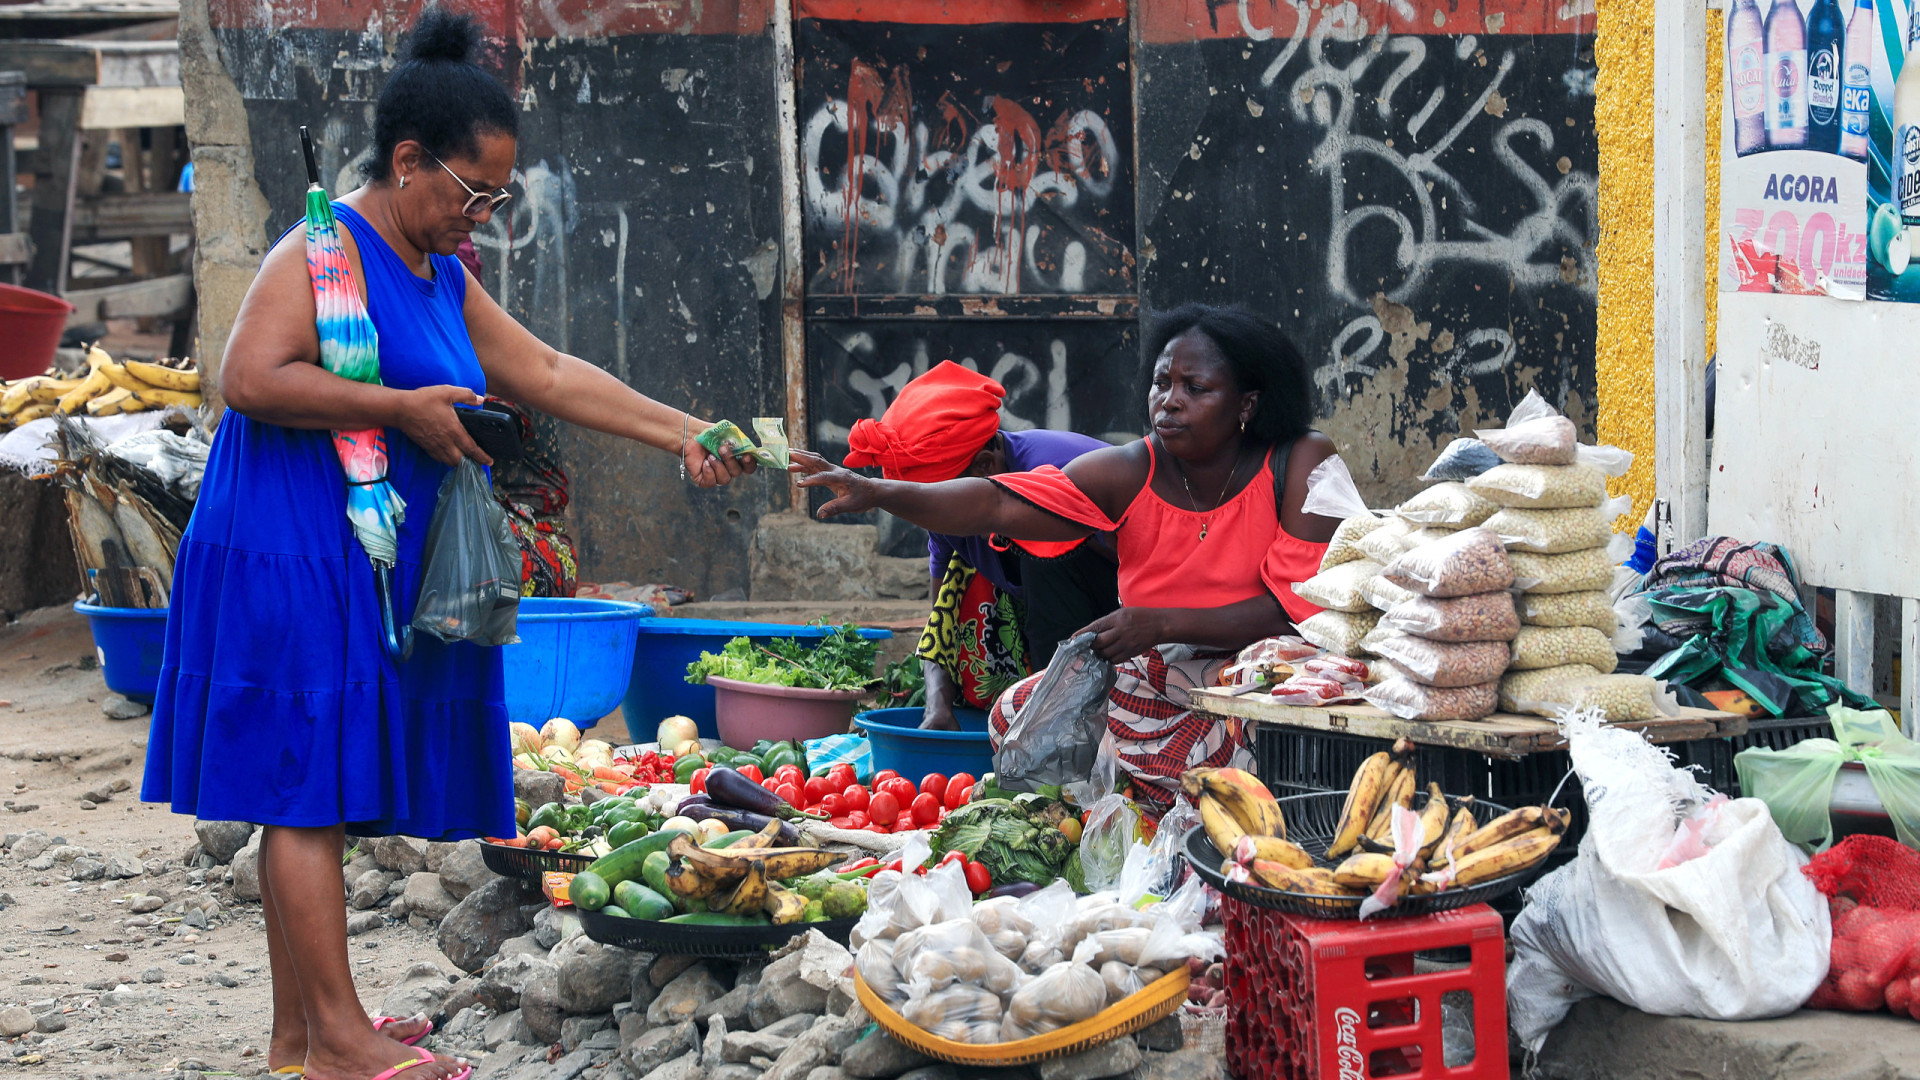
{"x":997,"y":614}
{"x":1208,"y":517}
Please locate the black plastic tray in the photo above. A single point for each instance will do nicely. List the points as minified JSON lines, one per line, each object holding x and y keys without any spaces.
{"x":648,"y":935}
{"x":1312,"y":821}
{"x":527,"y":864}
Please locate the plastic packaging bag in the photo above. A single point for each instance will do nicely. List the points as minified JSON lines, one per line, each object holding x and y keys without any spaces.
{"x":1488,"y":616}
{"x":1541,"y":487}
{"x":470,"y":588}
{"x":1345,"y":545}
{"x":1463,"y":459}
{"x":899,"y":903}
{"x":875,"y":963}
{"x":1872,"y":885}
{"x":1449,"y":505}
{"x":1055,"y":735}
{"x":1611,"y":460}
{"x":1339,"y":631}
{"x":1554,"y":692}
{"x":1409,"y":700}
{"x":1384,"y":544}
{"x":1063,"y":994}
{"x":935,"y":957}
{"x":1269,"y":660}
{"x":1593,"y":609}
{"x":1555,"y":532}
{"x":1535,"y":435}
{"x":1383,"y":595}
{"x":962,"y":1013}
{"x":1152,"y":871}
{"x":1469,"y":561}
{"x":1440,"y":664}
{"x":1338,"y":589}
{"x":1553,"y":646}
{"x":1332,"y":493}
{"x":1575,"y":571}
{"x":1736,"y":934}
{"x":1797,"y":783}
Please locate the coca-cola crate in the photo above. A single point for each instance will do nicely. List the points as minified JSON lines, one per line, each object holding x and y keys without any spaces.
{"x":1321,"y":1000}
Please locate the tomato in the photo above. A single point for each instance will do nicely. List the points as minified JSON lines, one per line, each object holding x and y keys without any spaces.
{"x":789,"y":793}
{"x":901,"y":789}
{"x":959,"y":790}
{"x":752,"y":772}
{"x":791,"y":774}
{"x":843,"y":823}
{"x":771,"y":783}
{"x":860,"y":819}
{"x":954,"y":856}
{"x":882,"y":777}
{"x":884,"y":808}
{"x":832,"y":805}
{"x":818,"y":789}
{"x":905,"y":824}
{"x":881,"y":829}
{"x":934,"y":784}
{"x":856,"y":797}
{"x":979,"y":878}
{"x":1070,"y":828}
{"x":697,"y":783}
{"x":926,"y":810}
{"x":842,"y":777}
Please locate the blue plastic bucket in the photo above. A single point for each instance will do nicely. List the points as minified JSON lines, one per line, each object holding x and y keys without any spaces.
{"x":572,"y":658}
{"x":130,"y":642}
{"x":659,"y":687}
{"x":899,"y":743}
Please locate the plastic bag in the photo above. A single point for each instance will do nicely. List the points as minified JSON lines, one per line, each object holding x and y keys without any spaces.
{"x":874,"y":960}
{"x":1105,"y":840}
{"x":1797,"y":783}
{"x":1736,"y":934}
{"x":1339,"y":631}
{"x":1269,"y":660}
{"x":1338,"y":589}
{"x":1052,"y":740}
{"x":1384,"y":544}
{"x":1555,"y":532}
{"x":1345,"y":545}
{"x":1469,"y":561}
{"x":1463,"y":459}
{"x":1535,"y":435}
{"x":1575,"y":571}
{"x":1125,"y":980}
{"x":1593,"y":609}
{"x":1410,"y":700}
{"x":1488,"y":616}
{"x":470,"y":587}
{"x":1152,"y":871}
{"x":1610,"y":460}
{"x":935,"y":957}
{"x":1873,"y":888}
{"x":1556,"y":691}
{"x":1063,"y":994}
{"x":898,"y":903}
{"x":1541,"y":487}
{"x":962,"y":1013}
{"x":1440,"y":664}
{"x":1383,"y":595}
{"x":1449,"y":505}
{"x":1554,"y":646}
{"x":1332,"y":493}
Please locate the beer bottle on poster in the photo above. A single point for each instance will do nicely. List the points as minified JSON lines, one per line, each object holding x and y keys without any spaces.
{"x":1825,"y":33}
{"x":1746,"y":76}
{"x":1906,"y":134}
{"x":1856,"y":93}
{"x":1786,"y":76}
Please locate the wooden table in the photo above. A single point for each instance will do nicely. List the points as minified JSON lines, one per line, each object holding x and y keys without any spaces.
{"x":1502,"y":735}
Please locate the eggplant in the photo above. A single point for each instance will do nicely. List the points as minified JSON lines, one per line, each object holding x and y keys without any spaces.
{"x":694,"y":800}
{"x":744,"y":819}
{"x":1012,"y":888}
{"x":726,"y":787}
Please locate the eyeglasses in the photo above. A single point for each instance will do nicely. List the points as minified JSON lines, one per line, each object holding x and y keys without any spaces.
{"x":480,"y":202}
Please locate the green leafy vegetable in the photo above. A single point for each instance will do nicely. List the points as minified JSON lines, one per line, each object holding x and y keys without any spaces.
{"x":1015,"y":841}
{"x":841,"y":661}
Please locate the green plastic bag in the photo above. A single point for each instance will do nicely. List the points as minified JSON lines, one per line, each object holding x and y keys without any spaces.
{"x":1797,"y":783}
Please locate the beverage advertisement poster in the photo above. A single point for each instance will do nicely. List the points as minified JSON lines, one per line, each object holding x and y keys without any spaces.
{"x":1893,"y":182}
{"x":1796,"y":133}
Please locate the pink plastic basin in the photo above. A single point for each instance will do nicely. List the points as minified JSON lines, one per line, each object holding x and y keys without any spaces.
{"x":748,"y":712}
{"x":30,"y":323}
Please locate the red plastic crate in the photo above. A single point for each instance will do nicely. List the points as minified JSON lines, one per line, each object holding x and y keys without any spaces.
{"x":1323,"y":1000}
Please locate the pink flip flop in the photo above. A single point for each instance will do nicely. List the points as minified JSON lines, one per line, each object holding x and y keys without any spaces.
{"x":425,"y":1058}
{"x":382,"y":1021}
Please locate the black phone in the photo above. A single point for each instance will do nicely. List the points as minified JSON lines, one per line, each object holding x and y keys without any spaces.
{"x":493,"y":431}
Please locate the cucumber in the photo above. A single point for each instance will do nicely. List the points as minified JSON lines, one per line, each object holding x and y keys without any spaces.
{"x":728,"y":840}
{"x":588,"y":891}
{"x":654,"y":872}
{"x":616,"y":911}
{"x":641,"y":902}
{"x":714,"y":918}
{"x":624,"y":863}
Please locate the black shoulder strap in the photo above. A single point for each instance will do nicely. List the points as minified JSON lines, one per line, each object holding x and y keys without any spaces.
{"x":1277,"y":459}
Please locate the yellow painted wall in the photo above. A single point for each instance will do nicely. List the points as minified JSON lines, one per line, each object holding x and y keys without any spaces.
{"x":1623,"y":361}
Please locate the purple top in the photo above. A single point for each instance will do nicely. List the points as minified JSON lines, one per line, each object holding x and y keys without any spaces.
{"x":1026,"y":451}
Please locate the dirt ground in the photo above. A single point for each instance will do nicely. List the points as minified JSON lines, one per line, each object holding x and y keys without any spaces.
{"x":118,"y":994}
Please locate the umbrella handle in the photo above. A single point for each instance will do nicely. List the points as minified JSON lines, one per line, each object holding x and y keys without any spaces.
{"x":399,"y":642}
{"x":306,"y":145}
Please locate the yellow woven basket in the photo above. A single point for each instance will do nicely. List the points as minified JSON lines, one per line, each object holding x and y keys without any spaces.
{"x":1149,"y":1005}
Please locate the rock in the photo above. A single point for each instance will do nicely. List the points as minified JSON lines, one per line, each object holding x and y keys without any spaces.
{"x":246,"y":870}
{"x":153,"y":975}
{"x":222,"y":840}
{"x":523,"y":945}
{"x":121,"y":866}
{"x":820,"y":1044}
{"x":932,"y":1072}
{"x":713,"y":1046}
{"x":437,"y":853}
{"x":730,"y":1008}
{"x":508,"y":1027}
{"x":880,"y":1056}
{"x":781,"y":992}
{"x":15,"y":1020}
{"x":575,"y":1030}
{"x":464,"y":868}
{"x":643,"y":990}
{"x":551,"y":926}
{"x":791,"y":1026}
{"x":595,"y":976}
{"x":365,"y":922}
{"x":1163,"y":1035}
{"x":540,"y":1004}
{"x":401,"y":855}
{"x":146,"y":902}
{"x":665,"y":969}
{"x":422,"y":991}
{"x":370,"y":889}
{"x":659,"y":1045}
{"x":85,"y":869}
{"x":473,"y":931}
{"x":503,"y":981}
{"x":538,"y":788}
{"x":682,"y":997}
{"x":730,"y":1071}
{"x":50,"y":1022}
{"x":426,"y":895}
{"x":828,"y":1072}
{"x":743,"y":1046}
{"x":30,"y":845}
{"x":686,"y":1067}
{"x":1180,"y":1065}
{"x":114,"y":999}
{"x":117,"y":707}
{"x":1115,"y":1058}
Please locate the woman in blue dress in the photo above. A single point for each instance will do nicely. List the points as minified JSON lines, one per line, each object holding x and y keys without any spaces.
{"x":278,"y":703}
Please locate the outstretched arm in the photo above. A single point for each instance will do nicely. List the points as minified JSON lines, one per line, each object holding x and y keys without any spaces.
{"x":968,"y":506}
{"x":1131,"y":631}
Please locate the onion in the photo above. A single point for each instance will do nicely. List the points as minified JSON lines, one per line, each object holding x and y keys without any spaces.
{"x":689,"y":747}
{"x":526,"y":738}
{"x":675,"y":730}
{"x":686,"y":825}
{"x":712,"y":829}
{"x":560,"y":731}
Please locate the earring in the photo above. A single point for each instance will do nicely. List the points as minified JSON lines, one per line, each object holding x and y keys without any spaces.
{"x":403,"y":183}
{"x":1243,"y":427}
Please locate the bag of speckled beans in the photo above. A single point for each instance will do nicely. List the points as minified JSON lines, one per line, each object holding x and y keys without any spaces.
{"x":1489,"y":616}
{"x":1447,"y":506}
{"x":1536,"y":434}
{"x":1410,"y":700}
{"x":1466,"y":562}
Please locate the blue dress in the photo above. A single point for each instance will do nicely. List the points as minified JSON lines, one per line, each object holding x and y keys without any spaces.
{"x":277,"y":701}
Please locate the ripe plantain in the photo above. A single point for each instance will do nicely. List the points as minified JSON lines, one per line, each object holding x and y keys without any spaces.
{"x":1434,"y":818}
{"x":1316,"y":880}
{"x":1248,"y":800}
{"x":1191,"y":782}
{"x":777,"y":864}
{"x":157,"y":397}
{"x":113,"y":403}
{"x":1458,"y":829}
{"x":1507,"y":857}
{"x":39,"y":389}
{"x":686,"y":879}
{"x":92,"y":386}
{"x":1369,"y":784}
{"x":762,"y":839}
{"x":784,"y":905}
{"x":1222,"y":827}
{"x":32,"y":412}
{"x":747,"y":897}
{"x":1364,"y":870}
{"x":165,"y":378}
{"x":117,"y":374}
{"x":1271,"y":849}
{"x":1505,"y":827}
{"x":1401,"y":794}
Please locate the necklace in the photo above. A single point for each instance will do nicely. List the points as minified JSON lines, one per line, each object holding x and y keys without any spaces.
{"x":1195,"y":503}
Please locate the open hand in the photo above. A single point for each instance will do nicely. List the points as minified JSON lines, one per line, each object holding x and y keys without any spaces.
{"x":708,"y":470}
{"x":426,"y":416}
{"x":1124,"y":634}
{"x":853,"y":493}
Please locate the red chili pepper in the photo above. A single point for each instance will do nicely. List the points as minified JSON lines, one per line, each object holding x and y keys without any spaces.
{"x":858,"y":863}
{"x":893,"y":866}
{"x":752,"y":772}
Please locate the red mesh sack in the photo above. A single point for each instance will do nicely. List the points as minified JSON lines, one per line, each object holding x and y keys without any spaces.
{"x":1873,"y":886}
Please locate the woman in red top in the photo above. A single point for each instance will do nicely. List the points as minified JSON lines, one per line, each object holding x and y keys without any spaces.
{"x":1208,"y":519}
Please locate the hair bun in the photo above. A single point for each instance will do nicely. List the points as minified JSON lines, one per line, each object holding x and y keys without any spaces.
{"x":443,"y":35}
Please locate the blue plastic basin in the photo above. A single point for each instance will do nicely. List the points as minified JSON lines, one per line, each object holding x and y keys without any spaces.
{"x":572,"y":658}
{"x":899,"y":744}
{"x":659,"y":687}
{"x":130,"y":642}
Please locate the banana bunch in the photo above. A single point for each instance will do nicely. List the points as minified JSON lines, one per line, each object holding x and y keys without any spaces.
{"x":744,"y":879}
{"x":109,"y":388}
{"x":1383,"y":781}
{"x":1242,"y":818}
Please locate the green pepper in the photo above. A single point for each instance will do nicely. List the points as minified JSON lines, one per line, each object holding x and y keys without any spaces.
{"x":552,"y":815}
{"x":623,"y":814}
{"x":721,"y":755}
{"x":760,"y":748}
{"x":683,"y":769}
{"x":778,"y":756}
{"x":626,"y":832}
